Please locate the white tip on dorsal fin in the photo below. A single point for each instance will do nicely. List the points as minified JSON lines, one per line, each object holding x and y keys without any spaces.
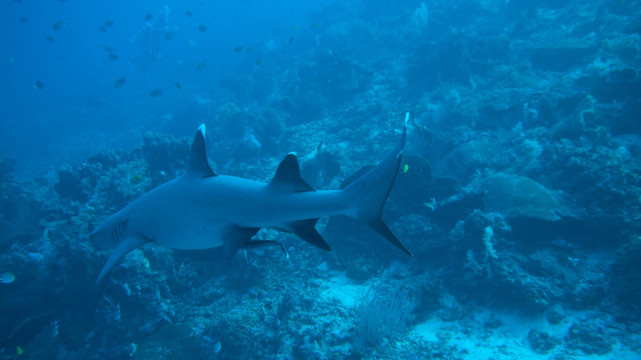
{"x":198,"y":165}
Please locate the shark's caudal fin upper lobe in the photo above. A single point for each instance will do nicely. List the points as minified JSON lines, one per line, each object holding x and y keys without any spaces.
{"x":369,"y":192}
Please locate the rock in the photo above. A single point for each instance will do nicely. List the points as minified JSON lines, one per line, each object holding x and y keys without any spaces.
{"x":70,"y":185}
{"x":464,"y":160}
{"x":106,"y":160}
{"x":320,"y":169}
{"x":164,"y":154}
{"x":589,"y":338}
{"x":541,"y":342}
{"x":334,"y":77}
{"x":561,"y":55}
{"x":555,"y":316}
{"x":626,"y":277}
{"x":21,"y":215}
{"x":170,"y":342}
{"x":432,"y":64}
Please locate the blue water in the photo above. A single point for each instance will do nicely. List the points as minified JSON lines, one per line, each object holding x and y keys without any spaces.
{"x":79,"y":100}
{"x":518,"y":192}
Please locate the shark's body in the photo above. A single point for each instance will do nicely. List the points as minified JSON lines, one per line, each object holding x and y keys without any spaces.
{"x":202,"y":210}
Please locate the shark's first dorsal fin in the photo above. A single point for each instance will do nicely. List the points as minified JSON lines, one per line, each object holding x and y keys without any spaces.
{"x":198,"y":165}
{"x":287,"y":177}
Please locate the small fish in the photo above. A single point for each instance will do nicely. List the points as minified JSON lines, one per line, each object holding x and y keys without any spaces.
{"x":107,"y":48}
{"x":113,"y":57}
{"x":50,"y":39}
{"x":148,"y":17}
{"x":108,"y":23}
{"x":19,"y":350}
{"x":217,"y":347}
{"x":201,"y":66}
{"x":178,"y":86}
{"x":119,"y":82}
{"x":102,"y":28}
{"x":23,"y":20}
{"x":169,"y":36}
{"x":59,"y":25}
{"x":238,"y":49}
{"x":258,"y":62}
{"x":7,"y":278}
{"x":55,"y":328}
{"x":202,"y":28}
{"x":291,"y":40}
{"x":314,"y":26}
{"x":155,"y":93}
{"x":38,"y":85}
{"x":188,"y":13}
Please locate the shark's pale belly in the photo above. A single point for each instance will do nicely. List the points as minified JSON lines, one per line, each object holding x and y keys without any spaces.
{"x":186,"y":214}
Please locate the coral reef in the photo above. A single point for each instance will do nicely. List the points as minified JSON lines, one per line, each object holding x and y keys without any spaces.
{"x":518,"y":192}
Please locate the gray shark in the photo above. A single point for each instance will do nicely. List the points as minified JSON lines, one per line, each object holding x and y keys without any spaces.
{"x":202,"y":210}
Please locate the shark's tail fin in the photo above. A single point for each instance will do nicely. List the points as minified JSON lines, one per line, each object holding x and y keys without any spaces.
{"x":369,"y":192}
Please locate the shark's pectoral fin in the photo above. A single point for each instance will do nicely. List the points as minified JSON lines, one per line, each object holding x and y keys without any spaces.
{"x":236,"y":238}
{"x":129,"y":243}
{"x":306,"y":230}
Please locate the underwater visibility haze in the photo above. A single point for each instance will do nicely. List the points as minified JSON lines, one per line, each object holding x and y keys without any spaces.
{"x":496,"y":142}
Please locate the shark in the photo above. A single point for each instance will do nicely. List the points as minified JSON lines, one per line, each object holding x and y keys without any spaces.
{"x":202,"y":209}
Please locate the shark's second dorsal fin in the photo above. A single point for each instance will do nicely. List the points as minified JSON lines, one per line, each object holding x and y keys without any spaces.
{"x":287,"y":177}
{"x":198,"y":165}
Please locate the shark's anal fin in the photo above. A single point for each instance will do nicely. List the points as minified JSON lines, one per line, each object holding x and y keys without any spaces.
{"x":306,"y":230}
{"x":129,"y":243}
{"x":236,"y":238}
{"x":287,"y":177}
{"x":198,"y":165}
